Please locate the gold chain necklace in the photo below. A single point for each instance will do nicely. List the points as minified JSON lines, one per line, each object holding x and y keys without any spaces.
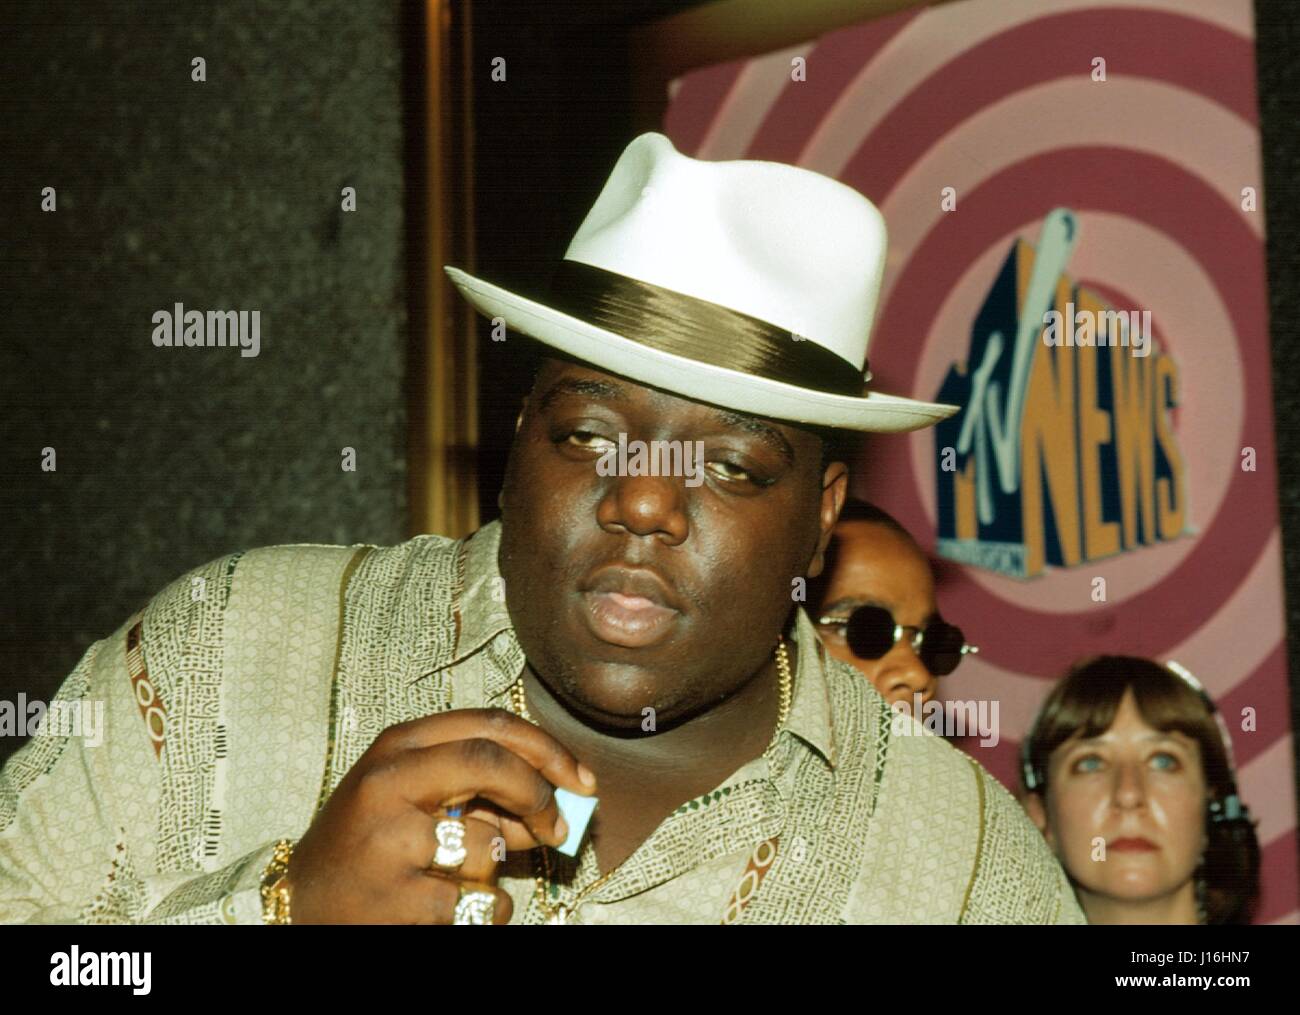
{"x":559,"y":913}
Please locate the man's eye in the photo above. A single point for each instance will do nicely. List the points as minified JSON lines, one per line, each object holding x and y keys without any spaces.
{"x":730,"y":472}
{"x":586,"y":439}
{"x":835,"y":632}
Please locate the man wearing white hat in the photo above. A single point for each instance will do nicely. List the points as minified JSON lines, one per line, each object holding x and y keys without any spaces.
{"x":383,"y":734}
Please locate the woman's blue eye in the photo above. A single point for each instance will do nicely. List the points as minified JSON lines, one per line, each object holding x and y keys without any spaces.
{"x":1089,"y":763}
{"x":1164,"y":761}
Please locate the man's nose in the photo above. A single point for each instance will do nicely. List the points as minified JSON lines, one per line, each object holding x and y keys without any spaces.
{"x":902,"y":675}
{"x":645,"y":506}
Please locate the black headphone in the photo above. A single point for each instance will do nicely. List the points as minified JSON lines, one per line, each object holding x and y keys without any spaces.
{"x":1230,"y":808}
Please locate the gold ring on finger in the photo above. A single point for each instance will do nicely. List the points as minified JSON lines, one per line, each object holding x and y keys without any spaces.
{"x":476,"y":904}
{"x":450,"y":832}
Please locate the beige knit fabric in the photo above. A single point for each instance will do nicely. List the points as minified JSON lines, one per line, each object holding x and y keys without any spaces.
{"x":249,"y":687}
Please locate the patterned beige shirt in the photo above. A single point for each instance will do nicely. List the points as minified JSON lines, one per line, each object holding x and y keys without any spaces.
{"x":244,"y":692}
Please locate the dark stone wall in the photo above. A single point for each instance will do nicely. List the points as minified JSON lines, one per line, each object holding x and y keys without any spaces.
{"x":223,"y":194}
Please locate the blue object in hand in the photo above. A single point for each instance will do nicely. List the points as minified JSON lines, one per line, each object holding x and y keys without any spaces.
{"x":577,"y":811}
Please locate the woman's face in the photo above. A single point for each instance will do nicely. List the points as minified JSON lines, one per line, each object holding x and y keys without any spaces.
{"x":1125,"y":811}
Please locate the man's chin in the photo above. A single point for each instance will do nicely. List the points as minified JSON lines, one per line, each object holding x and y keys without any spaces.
{"x":616,"y":699}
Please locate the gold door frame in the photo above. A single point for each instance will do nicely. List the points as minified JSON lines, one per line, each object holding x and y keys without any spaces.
{"x":442,"y":450}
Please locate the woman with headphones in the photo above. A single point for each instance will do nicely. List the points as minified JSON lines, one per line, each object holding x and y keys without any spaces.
{"x":1128,"y":773}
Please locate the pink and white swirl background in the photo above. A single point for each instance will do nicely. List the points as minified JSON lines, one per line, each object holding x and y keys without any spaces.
{"x":995,"y":99}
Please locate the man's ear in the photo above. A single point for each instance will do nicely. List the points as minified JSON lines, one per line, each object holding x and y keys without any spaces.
{"x":835,"y":490}
{"x":519,"y":422}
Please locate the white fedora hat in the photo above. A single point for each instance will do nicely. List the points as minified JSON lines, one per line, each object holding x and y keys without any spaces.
{"x":749,"y":285}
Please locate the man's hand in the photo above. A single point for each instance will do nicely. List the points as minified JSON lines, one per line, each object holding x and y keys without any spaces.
{"x":366,"y":858}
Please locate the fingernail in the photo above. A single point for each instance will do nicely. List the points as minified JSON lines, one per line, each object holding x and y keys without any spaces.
{"x":562,"y":829}
{"x":587,"y":776}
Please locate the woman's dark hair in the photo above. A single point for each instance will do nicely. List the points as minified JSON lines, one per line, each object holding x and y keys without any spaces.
{"x":1085,"y":702}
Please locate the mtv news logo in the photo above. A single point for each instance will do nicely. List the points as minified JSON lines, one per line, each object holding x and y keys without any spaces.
{"x":1063,"y":452}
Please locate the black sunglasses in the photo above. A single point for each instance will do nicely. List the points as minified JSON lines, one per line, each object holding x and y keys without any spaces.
{"x":871,"y":632}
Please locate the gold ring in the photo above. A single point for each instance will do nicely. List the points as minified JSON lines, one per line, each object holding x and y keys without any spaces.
{"x":450,"y":833}
{"x":476,"y":904}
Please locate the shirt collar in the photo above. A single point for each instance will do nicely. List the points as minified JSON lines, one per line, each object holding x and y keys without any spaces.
{"x":478,"y":605}
{"x":810,"y":716}
{"x":479,"y":614}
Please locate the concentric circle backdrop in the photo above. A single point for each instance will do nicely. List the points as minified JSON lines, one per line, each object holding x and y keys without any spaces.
{"x":997,"y":100}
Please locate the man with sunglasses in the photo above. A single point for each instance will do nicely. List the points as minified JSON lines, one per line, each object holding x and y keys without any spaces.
{"x":874,"y":607}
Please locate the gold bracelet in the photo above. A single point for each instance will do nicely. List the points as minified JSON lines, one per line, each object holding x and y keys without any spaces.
{"x":275,"y":893}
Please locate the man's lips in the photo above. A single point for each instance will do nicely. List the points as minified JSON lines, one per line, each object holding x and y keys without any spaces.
{"x":633,"y":583}
{"x":630,"y":621}
{"x":1133,"y":845}
{"x":631,"y":607}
